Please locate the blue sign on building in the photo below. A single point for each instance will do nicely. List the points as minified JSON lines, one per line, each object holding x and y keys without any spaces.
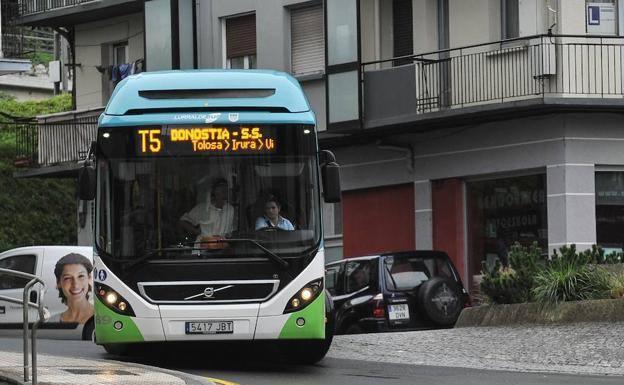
{"x":593,"y":15}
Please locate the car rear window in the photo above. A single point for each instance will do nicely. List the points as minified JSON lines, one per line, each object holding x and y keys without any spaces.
{"x":408,"y":272}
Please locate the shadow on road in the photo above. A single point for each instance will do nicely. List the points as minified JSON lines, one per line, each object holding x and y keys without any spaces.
{"x":258,"y":356}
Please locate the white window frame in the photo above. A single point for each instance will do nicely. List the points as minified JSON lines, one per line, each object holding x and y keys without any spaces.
{"x":226,"y":63}
{"x":115,"y":46}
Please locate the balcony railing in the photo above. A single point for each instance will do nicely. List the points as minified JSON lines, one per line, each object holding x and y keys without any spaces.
{"x":31,"y":7}
{"x":18,"y":41}
{"x":505,"y":71}
{"x":55,"y":139}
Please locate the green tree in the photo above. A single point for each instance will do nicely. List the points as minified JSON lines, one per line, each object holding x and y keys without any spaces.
{"x":37,"y":210}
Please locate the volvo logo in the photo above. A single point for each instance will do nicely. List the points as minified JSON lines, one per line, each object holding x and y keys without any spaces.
{"x":207,"y":293}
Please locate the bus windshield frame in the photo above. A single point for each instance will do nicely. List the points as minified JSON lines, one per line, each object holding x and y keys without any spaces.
{"x":147,"y":201}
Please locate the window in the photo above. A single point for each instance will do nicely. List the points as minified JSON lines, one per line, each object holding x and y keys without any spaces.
{"x":358,"y":275}
{"x":307,"y":41}
{"x":601,"y":17}
{"x":610,"y":210}
{"x":402,"y":30}
{"x":502,"y":212}
{"x":510,"y":19}
{"x":120,"y":53}
{"x":240,"y":42}
{"x":23,"y":263}
{"x":332,"y":275}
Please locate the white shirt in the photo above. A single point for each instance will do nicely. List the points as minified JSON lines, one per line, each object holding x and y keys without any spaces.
{"x":211,"y":220}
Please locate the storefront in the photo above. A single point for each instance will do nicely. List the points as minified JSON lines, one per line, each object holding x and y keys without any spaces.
{"x":610,"y":210}
{"x":501,"y":212}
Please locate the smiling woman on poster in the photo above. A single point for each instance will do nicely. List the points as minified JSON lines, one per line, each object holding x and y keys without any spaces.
{"x":73,"y":281}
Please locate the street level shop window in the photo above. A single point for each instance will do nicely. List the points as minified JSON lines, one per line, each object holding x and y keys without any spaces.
{"x":610,"y":210}
{"x":502,"y":212}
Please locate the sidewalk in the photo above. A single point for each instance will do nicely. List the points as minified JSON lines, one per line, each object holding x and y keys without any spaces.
{"x":65,"y":370}
{"x":585,"y":348}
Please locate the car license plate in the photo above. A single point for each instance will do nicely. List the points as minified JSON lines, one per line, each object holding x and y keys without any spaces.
{"x":398,"y":312}
{"x":210,"y":327}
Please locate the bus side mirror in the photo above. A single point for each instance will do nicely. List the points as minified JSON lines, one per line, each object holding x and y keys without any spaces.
{"x":86,"y":182}
{"x":330,"y":172}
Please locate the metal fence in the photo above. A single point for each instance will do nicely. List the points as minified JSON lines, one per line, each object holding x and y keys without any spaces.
{"x":19,"y":41}
{"x":516,"y":69}
{"x":55,"y":139}
{"x":29,"y":7}
{"x":26,"y":304}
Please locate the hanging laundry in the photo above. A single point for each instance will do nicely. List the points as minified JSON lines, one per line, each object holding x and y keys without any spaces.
{"x":124,"y":70}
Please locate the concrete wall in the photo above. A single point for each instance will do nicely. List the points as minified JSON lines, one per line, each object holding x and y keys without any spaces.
{"x":23,"y":94}
{"x":568,"y":148}
{"x":90,"y":39}
{"x":474,"y":21}
{"x":272,"y":44}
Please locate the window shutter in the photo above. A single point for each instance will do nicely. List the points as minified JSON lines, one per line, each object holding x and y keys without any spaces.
{"x":240,"y":33}
{"x":402,"y":28}
{"x":308,"y":48}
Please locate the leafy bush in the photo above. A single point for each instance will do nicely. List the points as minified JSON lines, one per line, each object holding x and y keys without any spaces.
{"x":31,"y":108}
{"x":512,"y":284}
{"x":572,"y":276}
{"x":617,"y":285}
{"x":38,"y":210}
{"x":568,"y":281}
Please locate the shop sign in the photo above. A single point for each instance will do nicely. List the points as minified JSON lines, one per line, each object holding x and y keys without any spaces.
{"x":601,"y":18}
{"x":512,"y":198}
{"x":613,"y":197}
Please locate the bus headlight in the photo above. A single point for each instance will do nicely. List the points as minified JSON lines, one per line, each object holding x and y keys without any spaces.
{"x":305,"y":296}
{"x":112,"y":300}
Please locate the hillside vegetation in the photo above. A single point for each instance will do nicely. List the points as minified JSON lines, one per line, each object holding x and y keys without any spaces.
{"x":34,"y":211}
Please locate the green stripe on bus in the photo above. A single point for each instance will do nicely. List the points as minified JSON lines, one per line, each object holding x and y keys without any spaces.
{"x":314,"y":327}
{"x":105,"y":333}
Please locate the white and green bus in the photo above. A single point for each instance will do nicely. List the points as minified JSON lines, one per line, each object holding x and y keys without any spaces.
{"x":187,"y":173}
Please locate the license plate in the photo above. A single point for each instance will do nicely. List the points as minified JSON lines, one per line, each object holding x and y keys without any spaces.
{"x":209,"y":327}
{"x":398,"y":312}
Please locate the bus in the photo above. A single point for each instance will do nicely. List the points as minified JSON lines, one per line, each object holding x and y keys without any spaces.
{"x":181,"y":172}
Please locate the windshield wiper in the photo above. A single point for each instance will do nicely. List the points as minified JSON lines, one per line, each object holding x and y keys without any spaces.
{"x":272,"y":256}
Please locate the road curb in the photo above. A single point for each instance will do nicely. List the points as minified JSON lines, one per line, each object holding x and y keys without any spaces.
{"x":601,"y":310}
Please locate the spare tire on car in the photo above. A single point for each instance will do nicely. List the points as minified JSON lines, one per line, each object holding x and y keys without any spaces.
{"x":441,"y":300}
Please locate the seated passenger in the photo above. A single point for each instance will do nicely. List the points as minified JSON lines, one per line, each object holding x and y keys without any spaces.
{"x":272,"y":217}
{"x":211,"y":219}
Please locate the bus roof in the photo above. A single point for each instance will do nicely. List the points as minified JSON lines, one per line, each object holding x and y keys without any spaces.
{"x":207,"y":91}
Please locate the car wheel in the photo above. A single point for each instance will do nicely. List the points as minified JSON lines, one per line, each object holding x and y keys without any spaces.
{"x":354,"y":329}
{"x":440,"y":299}
{"x":88,"y":331}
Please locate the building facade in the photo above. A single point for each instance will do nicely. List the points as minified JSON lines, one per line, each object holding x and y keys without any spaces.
{"x":462,"y":126}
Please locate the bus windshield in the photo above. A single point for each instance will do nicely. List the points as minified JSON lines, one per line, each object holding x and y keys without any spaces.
{"x":185,"y":204}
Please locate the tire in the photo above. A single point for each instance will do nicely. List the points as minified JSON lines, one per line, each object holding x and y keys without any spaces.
{"x":305,"y":352}
{"x":88,"y":330}
{"x":440,"y":299}
{"x":117,"y":349}
{"x":308,"y":352}
{"x":354,"y":329}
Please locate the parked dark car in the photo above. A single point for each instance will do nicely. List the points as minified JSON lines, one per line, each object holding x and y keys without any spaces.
{"x":395,"y":291}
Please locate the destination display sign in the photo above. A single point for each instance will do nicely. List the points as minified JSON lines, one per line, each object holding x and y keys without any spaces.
{"x":204,"y":140}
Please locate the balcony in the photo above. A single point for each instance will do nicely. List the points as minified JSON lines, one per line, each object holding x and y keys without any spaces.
{"x":494,"y":78}
{"x":52,"y":144}
{"x":64,"y":13}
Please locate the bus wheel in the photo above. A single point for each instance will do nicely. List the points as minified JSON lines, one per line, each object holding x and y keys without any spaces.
{"x":117,"y":349}
{"x":307,"y":352}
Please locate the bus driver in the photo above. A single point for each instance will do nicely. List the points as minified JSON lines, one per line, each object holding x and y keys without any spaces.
{"x":212,"y":219}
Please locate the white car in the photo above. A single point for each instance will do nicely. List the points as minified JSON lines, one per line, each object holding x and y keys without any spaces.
{"x":76,"y":284}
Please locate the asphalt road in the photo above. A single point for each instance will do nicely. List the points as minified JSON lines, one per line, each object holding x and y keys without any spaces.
{"x":243,"y":366}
